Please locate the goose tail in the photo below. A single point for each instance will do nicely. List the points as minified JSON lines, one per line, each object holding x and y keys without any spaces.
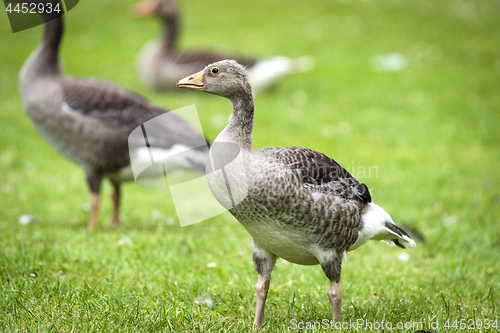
{"x":266,"y":72}
{"x":378,"y":225}
{"x":148,"y":165}
{"x":402,"y":240}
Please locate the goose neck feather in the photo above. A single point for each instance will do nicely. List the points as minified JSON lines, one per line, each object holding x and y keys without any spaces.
{"x":45,"y":60}
{"x":53,"y":31}
{"x":169,"y":33}
{"x":240,"y":126}
{"x":169,"y":16}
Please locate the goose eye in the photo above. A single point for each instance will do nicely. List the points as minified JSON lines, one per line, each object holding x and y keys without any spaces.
{"x":215,"y":70}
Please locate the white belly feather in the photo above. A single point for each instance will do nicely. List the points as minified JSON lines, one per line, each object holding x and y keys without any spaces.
{"x":285,"y":243}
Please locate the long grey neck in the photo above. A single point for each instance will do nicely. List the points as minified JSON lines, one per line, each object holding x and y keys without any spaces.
{"x":169,"y":33}
{"x":241,"y":124}
{"x":46,"y":62}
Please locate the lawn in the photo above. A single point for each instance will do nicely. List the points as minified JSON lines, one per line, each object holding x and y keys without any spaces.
{"x":424,"y":137}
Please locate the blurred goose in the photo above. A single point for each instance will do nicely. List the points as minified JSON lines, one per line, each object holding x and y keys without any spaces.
{"x":298,"y":204}
{"x":89,"y":121}
{"x":161,"y":64}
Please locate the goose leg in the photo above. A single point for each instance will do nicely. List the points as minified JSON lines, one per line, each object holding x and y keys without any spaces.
{"x":261,"y":289}
{"x":335,"y":297}
{"x":116,"y":205}
{"x":331,"y":263}
{"x":94,"y":212}
{"x":264,"y":262}
{"x":94,"y":182}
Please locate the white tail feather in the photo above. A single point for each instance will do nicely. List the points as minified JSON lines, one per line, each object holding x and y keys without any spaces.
{"x":267,"y":71}
{"x":172,"y":158}
{"x":403,"y":240}
{"x":378,"y":225}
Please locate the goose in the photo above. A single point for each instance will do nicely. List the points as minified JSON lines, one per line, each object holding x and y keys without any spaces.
{"x":297,"y":204}
{"x":89,"y":121}
{"x":161,"y":64}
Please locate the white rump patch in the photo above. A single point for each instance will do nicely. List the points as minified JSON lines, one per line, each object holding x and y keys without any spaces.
{"x":267,"y":71}
{"x":374,"y":227}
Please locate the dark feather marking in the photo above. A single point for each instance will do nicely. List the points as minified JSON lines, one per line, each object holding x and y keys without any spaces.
{"x":400,"y":231}
{"x":321,"y":173}
{"x":396,"y":242}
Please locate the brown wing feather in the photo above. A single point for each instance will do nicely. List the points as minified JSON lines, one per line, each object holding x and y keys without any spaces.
{"x":107,"y":102}
{"x":321,"y":173}
{"x":118,"y":107}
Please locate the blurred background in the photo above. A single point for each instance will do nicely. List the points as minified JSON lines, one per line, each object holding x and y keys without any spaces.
{"x":407,"y":91}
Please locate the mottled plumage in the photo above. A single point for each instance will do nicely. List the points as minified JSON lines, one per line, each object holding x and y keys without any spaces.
{"x":321,"y":173}
{"x":300,"y":205}
{"x":89,"y":121}
{"x":280,"y":204}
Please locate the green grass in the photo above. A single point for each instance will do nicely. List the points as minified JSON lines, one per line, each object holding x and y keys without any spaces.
{"x":431,"y":132}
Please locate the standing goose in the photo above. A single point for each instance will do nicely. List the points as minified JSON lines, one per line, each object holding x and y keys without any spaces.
{"x":89,"y":121}
{"x":300,"y":205}
{"x":161,"y":64}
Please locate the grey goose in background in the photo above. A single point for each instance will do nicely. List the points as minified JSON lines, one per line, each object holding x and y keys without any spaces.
{"x":300,"y":205}
{"x":161,"y":64}
{"x":89,"y":121}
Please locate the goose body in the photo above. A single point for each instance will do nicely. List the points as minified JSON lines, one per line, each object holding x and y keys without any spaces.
{"x":161,"y":64}
{"x":89,"y":121}
{"x":300,"y":205}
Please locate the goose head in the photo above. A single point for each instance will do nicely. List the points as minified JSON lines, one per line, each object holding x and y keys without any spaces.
{"x":225,"y":78}
{"x":163,"y":8}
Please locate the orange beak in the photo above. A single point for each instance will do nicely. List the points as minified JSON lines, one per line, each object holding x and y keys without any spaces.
{"x":193,"y":82}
